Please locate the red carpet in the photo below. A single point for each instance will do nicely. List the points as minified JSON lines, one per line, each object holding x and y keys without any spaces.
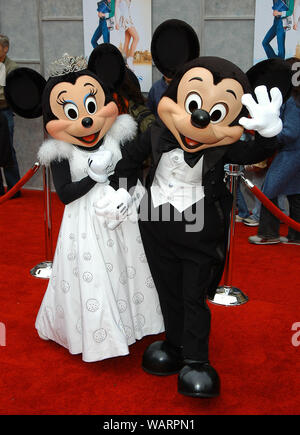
{"x":250,"y":345}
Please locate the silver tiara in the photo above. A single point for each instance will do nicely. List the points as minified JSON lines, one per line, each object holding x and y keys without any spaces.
{"x":67,"y":64}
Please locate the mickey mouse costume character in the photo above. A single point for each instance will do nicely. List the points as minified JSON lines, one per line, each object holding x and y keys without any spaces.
{"x":203,"y":114}
{"x":101,"y":296}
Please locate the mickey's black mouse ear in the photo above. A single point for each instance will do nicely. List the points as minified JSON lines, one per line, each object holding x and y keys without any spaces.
{"x":174,"y":43}
{"x":23,"y":91}
{"x":272,"y":73}
{"x":107,"y":62}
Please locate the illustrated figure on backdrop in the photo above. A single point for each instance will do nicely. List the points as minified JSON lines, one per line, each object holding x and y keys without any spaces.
{"x":101,"y":296}
{"x":281,"y":10}
{"x":296,"y":15}
{"x":124,"y":21}
{"x":11,"y":171}
{"x":105,"y":10}
{"x":184,"y":217}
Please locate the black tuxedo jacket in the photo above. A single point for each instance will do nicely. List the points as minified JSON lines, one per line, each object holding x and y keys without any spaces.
{"x":151,"y":143}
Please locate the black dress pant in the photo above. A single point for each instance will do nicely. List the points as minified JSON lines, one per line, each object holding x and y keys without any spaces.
{"x":183,"y":265}
{"x":269,"y":224}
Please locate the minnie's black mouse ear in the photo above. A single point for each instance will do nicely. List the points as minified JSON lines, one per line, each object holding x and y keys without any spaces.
{"x":23,"y":92}
{"x":107,"y":62}
{"x":272,"y":73}
{"x":174,"y":43}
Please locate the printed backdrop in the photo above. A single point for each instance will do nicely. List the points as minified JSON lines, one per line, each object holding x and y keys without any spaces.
{"x":140,"y":13}
{"x":263,"y":22}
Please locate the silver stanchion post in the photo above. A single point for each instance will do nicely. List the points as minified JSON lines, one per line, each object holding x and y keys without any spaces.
{"x":228,"y":295}
{"x":44,"y":269}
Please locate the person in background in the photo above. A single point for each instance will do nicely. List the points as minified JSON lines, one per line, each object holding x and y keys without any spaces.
{"x":156,"y":92}
{"x":11,"y":172}
{"x":130,"y":100}
{"x":281,"y":9}
{"x":283,"y":176}
{"x":6,"y":157}
{"x":244,"y":215}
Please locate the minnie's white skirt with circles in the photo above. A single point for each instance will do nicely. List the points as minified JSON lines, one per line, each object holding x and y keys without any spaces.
{"x":101,"y":297}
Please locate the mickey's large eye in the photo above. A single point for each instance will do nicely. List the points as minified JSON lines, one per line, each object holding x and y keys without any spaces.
{"x":91,"y":105}
{"x":193,"y":102}
{"x":71,"y":111}
{"x":218,"y":113}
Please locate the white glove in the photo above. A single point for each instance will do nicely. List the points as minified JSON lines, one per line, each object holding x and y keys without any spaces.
{"x":100,"y":166}
{"x":114,"y":206}
{"x":265,"y":114}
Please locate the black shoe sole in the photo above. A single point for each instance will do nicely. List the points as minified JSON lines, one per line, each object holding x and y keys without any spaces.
{"x":151,"y":372}
{"x":199,"y":395}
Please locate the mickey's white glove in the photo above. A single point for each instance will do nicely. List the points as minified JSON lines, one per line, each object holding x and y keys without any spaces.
{"x":114,"y":206}
{"x":265,"y":114}
{"x":100,"y":166}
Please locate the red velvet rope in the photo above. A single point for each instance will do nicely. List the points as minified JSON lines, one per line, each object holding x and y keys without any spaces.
{"x":20,"y":183}
{"x":272,"y":207}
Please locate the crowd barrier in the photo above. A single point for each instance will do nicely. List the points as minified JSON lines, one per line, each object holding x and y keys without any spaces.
{"x":269,"y":205}
{"x":20,"y":183}
{"x":43,"y":269}
{"x":228,"y":295}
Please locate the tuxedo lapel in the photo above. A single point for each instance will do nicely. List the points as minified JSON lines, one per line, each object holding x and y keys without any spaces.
{"x":212,"y":157}
{"x":156,"y":132}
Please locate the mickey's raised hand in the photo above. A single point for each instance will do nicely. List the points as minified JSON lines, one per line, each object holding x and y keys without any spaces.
{"x":265,"y":113}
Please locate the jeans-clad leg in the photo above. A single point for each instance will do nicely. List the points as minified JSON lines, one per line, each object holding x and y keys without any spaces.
{"x":105,"y":31}
{"x":280,"y":39}
{"x":268,"y":38}
{"x":241,"y":203}
{"x":97,"y":35}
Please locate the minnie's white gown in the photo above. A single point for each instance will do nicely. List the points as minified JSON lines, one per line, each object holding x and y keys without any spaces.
{"x":101,"y":296}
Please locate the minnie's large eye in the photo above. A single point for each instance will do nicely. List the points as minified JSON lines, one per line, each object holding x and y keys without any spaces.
{"x":91,"y":105}
{"x":218,"y":113}
{"x":71,"y":111}
{"x":193,"y":102}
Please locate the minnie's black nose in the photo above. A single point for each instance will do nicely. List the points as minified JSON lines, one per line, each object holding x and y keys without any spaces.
{"x":200,"y":118}
{"x":87,"y":122}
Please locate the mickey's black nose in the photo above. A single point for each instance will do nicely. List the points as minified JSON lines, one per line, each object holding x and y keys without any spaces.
{"x":87,"y":122}
{"x":200,"y":118}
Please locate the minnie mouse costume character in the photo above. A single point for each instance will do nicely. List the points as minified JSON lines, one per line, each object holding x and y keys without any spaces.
{"x":101,"y":296}
{"x":203,"y":114}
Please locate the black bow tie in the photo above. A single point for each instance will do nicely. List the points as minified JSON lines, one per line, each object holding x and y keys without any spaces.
{"x":169,"y":143}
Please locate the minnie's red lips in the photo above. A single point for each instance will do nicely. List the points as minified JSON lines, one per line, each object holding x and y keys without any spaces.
{"x":89,"y":139}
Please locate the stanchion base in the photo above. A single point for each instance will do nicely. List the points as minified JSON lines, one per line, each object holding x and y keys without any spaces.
{"x":42,"y":270}
{"x":228,"y":296}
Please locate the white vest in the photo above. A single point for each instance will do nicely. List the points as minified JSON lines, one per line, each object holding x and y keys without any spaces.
{"x":175,"y":182}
